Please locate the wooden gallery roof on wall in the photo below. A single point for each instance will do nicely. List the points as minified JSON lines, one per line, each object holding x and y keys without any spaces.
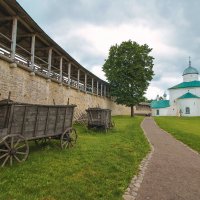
{"x":20,"y":35}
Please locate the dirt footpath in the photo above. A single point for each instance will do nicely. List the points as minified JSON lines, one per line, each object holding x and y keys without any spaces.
{"x":174,"y":170}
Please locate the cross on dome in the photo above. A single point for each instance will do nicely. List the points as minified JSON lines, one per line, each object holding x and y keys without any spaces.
{"x":189,"y":62}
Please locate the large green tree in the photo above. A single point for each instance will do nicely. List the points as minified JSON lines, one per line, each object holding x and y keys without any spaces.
{"x":129,"y":69}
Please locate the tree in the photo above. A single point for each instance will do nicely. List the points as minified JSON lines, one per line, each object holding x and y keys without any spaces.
{"x":129,"y":69}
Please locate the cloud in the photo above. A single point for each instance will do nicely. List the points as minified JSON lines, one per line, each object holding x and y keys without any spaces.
{"x":153,"y":91}
{"x":97,"y":39}
{"x":86,"y":29}
{"x":97,"y":70}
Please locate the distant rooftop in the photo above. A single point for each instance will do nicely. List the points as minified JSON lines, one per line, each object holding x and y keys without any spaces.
{"x":186,"y":85}
{"x":188,"y":95}
{"x":160,"y":104}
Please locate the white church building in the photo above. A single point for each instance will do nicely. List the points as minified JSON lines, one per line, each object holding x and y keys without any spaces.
{"x":184,"y":98}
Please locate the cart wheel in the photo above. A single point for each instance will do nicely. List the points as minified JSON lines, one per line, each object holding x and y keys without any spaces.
{"x":68,"y":138}
{"x":13,"y":147}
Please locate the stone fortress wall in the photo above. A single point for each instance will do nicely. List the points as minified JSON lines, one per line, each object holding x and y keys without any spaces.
{"x":35,"y":69}
{"x":35,"y":89}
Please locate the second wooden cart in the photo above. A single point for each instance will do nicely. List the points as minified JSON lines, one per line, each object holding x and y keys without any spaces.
{"x":99,"y":118}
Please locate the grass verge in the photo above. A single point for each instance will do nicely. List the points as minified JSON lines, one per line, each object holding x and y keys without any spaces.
{"x":100,"y":166}
{"x":185,"y":129}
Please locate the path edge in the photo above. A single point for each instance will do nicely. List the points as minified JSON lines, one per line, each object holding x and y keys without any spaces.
{"x":185,"y":145}
{"x":136,"y":181}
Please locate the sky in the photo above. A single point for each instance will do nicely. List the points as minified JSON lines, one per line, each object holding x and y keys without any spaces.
{"x":86,"y":29}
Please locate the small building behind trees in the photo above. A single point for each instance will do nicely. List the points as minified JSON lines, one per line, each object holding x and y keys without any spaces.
{"x":143,"y":108}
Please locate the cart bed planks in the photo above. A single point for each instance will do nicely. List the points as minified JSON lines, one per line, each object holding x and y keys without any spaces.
{"x":20,"y":123}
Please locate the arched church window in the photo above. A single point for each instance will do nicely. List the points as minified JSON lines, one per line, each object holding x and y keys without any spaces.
{"x":187,"y":110}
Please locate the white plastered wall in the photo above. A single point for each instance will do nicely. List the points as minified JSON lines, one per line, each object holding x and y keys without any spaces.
{"x":176,"y":93}
{"x":162,"y":111}
{"x":190,"y":77}
{"x":192,"y":103}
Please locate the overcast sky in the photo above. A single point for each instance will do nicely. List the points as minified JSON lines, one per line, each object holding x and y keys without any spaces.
{"x":87,"y":28}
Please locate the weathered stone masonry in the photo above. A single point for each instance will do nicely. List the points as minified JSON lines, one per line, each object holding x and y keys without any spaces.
{"x":36,"y":89}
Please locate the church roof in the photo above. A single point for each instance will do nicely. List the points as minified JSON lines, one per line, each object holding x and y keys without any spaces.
{"x":188,"y":95}
{"x":160,"y":104}
{"x":190,"y":70}
{"x":186,"y":85}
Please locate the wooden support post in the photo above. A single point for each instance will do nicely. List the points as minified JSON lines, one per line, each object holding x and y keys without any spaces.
{"x":14,"y":38}
{"x":105,"y":90}
{"x":101,"y":89}
{"x":49,"y":61}
{"x":33,"y":52}
{"x":78,"y":78}
{"x":61,"y":68}
{"x":85,"y":82}
{"x":92,"y":85}
{"x":97,"y":88}
{"x":69,"y":73}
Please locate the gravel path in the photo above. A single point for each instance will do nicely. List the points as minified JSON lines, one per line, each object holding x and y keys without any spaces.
{"x":173,"y":172}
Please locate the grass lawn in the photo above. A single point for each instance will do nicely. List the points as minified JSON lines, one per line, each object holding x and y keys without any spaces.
{"x":100,"y":166}
{"x":186,"y":129}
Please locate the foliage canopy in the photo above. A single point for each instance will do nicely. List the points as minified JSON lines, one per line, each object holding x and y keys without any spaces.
{"x":129,"y":69}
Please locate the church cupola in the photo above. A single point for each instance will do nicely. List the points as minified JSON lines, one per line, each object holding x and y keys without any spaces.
{"x":190,"y":73}
{"x":164,"y":96}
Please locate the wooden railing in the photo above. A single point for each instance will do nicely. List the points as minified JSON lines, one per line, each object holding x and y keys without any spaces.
{"x":41,"y":67}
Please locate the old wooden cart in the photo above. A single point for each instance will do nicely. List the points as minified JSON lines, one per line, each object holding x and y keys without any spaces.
{"x":99,"y":118}
{"x":20,"y":123}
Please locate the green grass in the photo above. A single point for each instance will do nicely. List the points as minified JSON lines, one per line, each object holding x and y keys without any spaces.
{"x":100,"y":166}
{"x":185,"y":129}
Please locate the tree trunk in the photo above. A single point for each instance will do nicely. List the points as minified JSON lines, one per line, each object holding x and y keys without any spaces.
{"x":132,"y":111}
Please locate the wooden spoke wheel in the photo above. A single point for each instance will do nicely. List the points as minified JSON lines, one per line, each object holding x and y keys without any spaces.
{"x":13,"y":148}
{"x":68,"y":138}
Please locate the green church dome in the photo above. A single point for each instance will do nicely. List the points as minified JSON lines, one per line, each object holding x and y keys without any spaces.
{"x":190,"y":70}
